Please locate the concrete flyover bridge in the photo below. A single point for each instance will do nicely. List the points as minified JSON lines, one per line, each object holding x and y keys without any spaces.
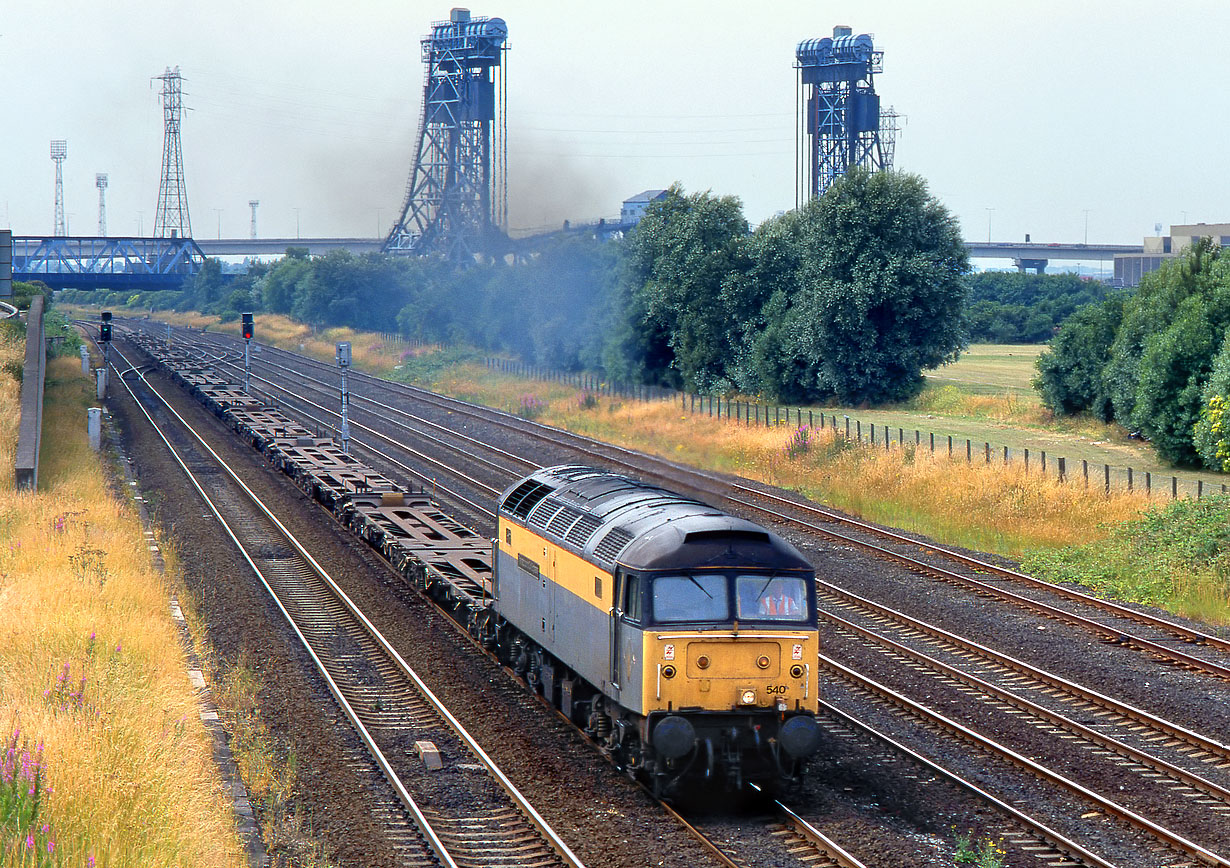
{"x":1027,"y":255}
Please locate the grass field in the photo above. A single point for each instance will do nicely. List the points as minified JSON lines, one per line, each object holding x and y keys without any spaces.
{"x":993,"y":369}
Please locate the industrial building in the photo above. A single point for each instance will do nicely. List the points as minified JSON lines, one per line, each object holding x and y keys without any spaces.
{"x":1131,"y":267}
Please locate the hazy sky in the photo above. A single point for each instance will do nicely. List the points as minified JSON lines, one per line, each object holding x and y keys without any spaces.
{"x":1038,"y":110}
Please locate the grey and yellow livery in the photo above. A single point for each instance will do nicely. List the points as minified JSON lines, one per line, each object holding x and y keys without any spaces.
{"x":682,"y":638}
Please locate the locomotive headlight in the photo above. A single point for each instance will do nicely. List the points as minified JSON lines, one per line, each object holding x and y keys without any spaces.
{"x":796,"y":671}
{"x":702,"y":662}
{"x":763,"y":661}
{"x":747,"y":697}
{"x":668,"y":671}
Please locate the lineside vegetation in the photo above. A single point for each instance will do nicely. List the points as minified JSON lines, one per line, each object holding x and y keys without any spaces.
{"x":103,"y":758}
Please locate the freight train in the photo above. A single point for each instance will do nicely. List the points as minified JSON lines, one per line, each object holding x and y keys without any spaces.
{"x":680,"y":638}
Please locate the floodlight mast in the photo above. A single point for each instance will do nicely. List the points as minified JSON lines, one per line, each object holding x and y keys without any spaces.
{"x":59,"y":153}
{"x":100,"y":181}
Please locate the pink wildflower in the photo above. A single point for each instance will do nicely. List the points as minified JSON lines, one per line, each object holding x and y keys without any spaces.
{"x":30,"y":840}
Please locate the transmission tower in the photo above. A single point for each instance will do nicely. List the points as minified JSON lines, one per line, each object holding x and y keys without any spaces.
{"x":171,"y":220}
{"x":457,"y":195}
{"x":100,"y":181}
{"x":59,"y":152}
{"x":252,"y":203}
{"x":841,"y":124}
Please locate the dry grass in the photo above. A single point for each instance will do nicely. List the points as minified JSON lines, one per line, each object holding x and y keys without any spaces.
{"x":987,"y":507}
{"x":127,"y":763}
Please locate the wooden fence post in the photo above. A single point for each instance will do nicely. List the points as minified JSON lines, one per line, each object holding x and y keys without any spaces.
{"x":932,"y":434}
{"x":1044,"y":462}
{"x":1085,"y":471}
{"x":1027,"y":460}
{"x":1129,"y":470}
{"x":950,"y":446}
{"x":1063,"y":469}
{"x":1148,"y":482}
{"x":1199,"y":488}
{"x":988,"y":451}
{"x":1005,"y":456}
{"x":858,"y":430}
{"x":1174,"y":488}
{"x":873,"y":433}
{"x":969,"y":451}
{"x":1106,"y":470}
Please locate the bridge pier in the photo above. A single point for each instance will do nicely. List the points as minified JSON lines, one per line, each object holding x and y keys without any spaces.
{"x":1038,"y":265}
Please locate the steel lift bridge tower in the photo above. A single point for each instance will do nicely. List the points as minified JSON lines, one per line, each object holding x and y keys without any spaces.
{"x":841,"y":124}
{"x":457,"y":195}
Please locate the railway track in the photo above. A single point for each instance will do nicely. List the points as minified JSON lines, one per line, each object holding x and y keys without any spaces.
{"x":1111,"y":621}
{"x":1194,"y":747}
{"x":474,"y":814}
{"x":792,"y":839}
{"x":1095,"y":803}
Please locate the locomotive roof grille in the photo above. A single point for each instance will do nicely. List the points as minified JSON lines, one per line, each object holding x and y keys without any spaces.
{"x":612,"y":544}
{"x":543,"y":513}
{"x":585,"y":528}
{"x":564,"y":520}
{"x":526,"y":496}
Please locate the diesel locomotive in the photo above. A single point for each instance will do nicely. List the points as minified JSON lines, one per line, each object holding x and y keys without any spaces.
{"x":681,"y":638}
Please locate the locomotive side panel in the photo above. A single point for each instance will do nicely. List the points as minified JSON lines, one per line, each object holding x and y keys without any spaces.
{"x":558,"y":600}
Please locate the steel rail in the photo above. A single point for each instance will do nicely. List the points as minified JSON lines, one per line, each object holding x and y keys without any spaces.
{"x":557,"y":435}
{"x":1113,"y":633}
{"x":818,"y":839}
{"x":838,"y":855}
{"x":1033,"y":708}
{"x":1170,"y":839}
{"x":1058,"y":840}
{"x":403,"y":795}
{"x":523,"y":805}
{"x":1088,"y":694}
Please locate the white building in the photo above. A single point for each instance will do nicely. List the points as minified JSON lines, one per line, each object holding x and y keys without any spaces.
{"x":634,"y":207}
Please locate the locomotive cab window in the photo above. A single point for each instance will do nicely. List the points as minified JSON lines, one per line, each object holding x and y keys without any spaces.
{"x":771,"y":598}
{"x":701,"y":597}
{"x":633,"y":608}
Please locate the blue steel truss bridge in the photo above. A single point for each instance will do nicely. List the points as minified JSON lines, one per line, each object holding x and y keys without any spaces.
{"x":106,"y":263}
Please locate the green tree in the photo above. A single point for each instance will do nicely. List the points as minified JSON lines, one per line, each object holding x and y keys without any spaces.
{"x":877,"y":296}
{"x":1211,"y":435}
{"x":684,"y":256}
{"x":1071,"y":372}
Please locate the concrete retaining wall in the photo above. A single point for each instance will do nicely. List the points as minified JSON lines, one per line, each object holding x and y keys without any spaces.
{"x":33,"y":376}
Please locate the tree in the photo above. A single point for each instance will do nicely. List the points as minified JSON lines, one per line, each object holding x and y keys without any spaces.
{"x":1211,"y":435}
{"x":1013,"y":307}
{"x":1071,"y":372}
{"x":684,"y":256}
{"x":877,"y":296}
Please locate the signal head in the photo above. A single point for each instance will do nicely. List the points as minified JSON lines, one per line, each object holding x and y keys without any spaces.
{"x":247,"y":326}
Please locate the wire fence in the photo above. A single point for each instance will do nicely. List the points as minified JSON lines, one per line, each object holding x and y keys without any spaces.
{"x":1093,"y":475}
